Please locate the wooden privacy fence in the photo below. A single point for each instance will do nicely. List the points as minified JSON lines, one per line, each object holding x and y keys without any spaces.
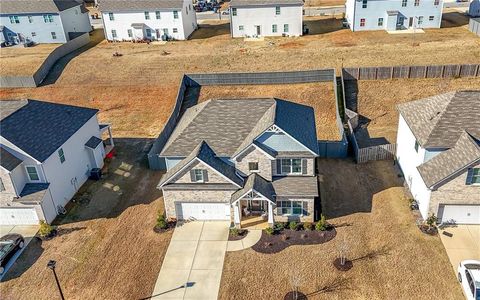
{"x":432,"y":71}
{"x":380,"y":152}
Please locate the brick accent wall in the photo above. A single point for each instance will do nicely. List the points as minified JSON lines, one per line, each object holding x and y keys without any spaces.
{"x":170,"y":197}
{"x":455,"y":192}
{"x":255,"y":155}
{"x":213,"y":176}
{"x":310,"y":210}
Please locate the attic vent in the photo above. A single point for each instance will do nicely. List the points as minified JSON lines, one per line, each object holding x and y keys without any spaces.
{"x":274,"y":129}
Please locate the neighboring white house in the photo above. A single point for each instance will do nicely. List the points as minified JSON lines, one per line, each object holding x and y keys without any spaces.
{"x":474,"y":9}
{"x":438,"y":150}
{"x":148,"y":20}
{"x":47,"y":151}
{"x":393,"y":15}
{"x":42,"y":21}
{"x":255,"y":18}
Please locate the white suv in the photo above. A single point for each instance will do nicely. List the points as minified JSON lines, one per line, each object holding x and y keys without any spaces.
{"x":469,"y":277}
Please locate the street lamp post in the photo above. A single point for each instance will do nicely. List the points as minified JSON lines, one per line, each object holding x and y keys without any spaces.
{"x":51,"y":265}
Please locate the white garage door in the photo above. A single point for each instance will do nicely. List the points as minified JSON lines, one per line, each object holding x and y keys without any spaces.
{"x":460,"y":214}
{"x":202,"y":211}
{"x":18,"y":216}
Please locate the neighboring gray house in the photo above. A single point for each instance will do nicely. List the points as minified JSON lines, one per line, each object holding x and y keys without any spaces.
{"x":438,"y":150}
{"x":474,"y":9}
{"x":42,"y":21}
{"x":47,"y":151}
{"x":231,"y":159}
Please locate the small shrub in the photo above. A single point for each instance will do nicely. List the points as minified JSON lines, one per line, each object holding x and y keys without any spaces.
{"x":293,"y":225}
{"x":431,"y":221}
{"x":308,"y":226}
{"x":269,"y":230}
{"x":279,"y":226}
{"x":322,"y":224}
{"x":234,"y":231}
{"x":161,"y":222}
{"x":45,"y":229}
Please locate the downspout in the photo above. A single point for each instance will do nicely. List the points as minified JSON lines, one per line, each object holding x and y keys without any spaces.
{"x":49,"y":191}
{"x":231,"y":21}
{"x":354,"y":14}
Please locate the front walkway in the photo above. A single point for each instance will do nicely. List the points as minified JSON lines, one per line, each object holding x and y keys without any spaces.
{"x":253,"y":236}
{"x":461,"y":242}
{"x":192,"y":267}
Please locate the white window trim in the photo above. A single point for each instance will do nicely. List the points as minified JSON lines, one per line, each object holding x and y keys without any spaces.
{"x":254,"y":171}
{"x":304,"y":206}
{"x":291,"y":167}
{"x":201,"y":175}
{"x":475,"y":176}
{"x":28,"y":174}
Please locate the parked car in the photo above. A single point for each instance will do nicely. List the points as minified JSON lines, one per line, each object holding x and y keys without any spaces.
{"x":9,"y":245}
{"x":469,"y":277}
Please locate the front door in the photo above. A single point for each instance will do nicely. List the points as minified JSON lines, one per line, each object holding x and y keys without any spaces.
{"x":410,"y":22}
{"x":256,"y":206}
{"x":258,"y":30}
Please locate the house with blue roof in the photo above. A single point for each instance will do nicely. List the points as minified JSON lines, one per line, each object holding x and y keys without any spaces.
{"x":47,"y":152}
{"x":242,"y":160}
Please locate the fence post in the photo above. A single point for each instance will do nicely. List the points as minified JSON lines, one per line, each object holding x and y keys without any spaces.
{"x":443,"y":71}
{"x":425,"y":74}
{"x":459,"y":69}
{"x":409,"y":71}
{"x":391,"y":72}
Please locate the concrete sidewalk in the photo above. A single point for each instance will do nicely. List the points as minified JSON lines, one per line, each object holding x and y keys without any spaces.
{"x":461,"y":242}
{"x":192,"y":267}
{"x":253,"y":236}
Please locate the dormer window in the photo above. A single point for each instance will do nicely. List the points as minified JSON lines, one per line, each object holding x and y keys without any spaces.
{"x":253,"y":166}
{"x":197,"y":175}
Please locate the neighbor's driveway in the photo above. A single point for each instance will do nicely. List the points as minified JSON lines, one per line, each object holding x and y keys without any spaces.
{"x":195,"y":256}
{"x":463,"y":244}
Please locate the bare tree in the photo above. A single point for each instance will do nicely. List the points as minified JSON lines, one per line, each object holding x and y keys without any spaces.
{"x":343,"y":248}
{"x":296,"y":279}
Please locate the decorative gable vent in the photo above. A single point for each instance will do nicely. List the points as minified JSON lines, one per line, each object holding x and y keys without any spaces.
{"x":274,"y":129}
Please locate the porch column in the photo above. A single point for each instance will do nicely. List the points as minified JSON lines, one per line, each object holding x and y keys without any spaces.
{"x":110,"y":136}
{"x":270,"y":213}
{"x":236,"y":214}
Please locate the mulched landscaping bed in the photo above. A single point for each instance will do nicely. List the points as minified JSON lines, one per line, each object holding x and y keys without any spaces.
{"x":241,"y":235}
{"x":291,"y":296}
{"x":277,"y":242}
{"x":428,"y":230}
{"x":170,"y":226}
{"x":345,"y":267}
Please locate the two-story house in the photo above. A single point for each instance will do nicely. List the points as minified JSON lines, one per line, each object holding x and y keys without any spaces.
{"x":126,"y":20}
{"x":257,"y":18}
{"x":438,"y":150}
{"x":393,"y":15}
{"x":42,"y":21}
{"x":47,"y":151}
{"x":231,"y":159}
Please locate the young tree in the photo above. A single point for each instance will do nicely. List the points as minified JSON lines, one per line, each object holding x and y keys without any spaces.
{"x":343,"y":248}
{"x":296,"y":279}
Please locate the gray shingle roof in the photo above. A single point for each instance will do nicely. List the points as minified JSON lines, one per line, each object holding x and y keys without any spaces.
{"x":39,"y":128}
{"x":208,"y":156}
{"x":36,"y":6}
{"x":237,"y":3}
{"x":138,"y":5}
{"x":93,"y":142}
{"x":33,"y":192}
{"x":438,"y":121}
{"x":8,"y":160}
{"x":446,"y":164}
{"x":296,"y":186}
{"x":231,"y":125}
{"x":257,"y":183}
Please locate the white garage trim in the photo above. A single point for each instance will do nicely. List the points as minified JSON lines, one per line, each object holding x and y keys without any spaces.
{"x":202,"y":210}
{"x":459,"y":214}
{"x":18,"y":216}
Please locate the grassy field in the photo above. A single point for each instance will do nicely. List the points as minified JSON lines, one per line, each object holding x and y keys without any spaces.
{"x":377,"y":100}
{"x":320,"y":96}
{"x":392,"y":259}
{"x":106,"y":248}
{"x":23,"y":61}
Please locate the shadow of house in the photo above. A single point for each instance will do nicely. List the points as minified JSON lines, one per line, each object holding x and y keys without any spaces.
{"x":454,"y":19}
{"x":349,"y":188}
{"x":126,"y":182}
{"x":57,"y":69}
{"x":28,"y":257}
{"x":206,"y":31}
{"x":322,"y":26}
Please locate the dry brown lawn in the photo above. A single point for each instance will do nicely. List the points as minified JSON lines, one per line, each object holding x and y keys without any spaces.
{"x":23,"y":61}
{"x":392,"y":259}
{"x":315,"y":3}
{"x":320,"y":96}
{"x":106,"y":248}
{"x":377,"y":100}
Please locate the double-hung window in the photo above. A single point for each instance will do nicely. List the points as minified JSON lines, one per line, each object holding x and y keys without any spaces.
{"x":285,"y":27}
{"x":157,"y":15}
{"x":431,"y":18}
{"x":114,"y":34}
{"x":277,"y":10}
{"x":476,"y":176}
{"x":291,"y":166}
{"x":364,"y":3}
{"x":48,"y":18}
{"x":198,"y":175}
{"x":362,"y":22}
{"x":274,"y":28}
{"x":175,"y":14}
{"x":54,"y":35}
{"x":147,"y":15}
{"x":32,"y":173}
{"x":420,"y":20}
{"x":111,"y":17}
{"x":380,"y":21}
{"x":404,"y":3}
{"x":253,"y":166}
{"x":14,"y":19}
{"x":292,"y":208}
{"x":240,"y":27}
{"x":436,"y":2}
{"x":61,"y":155}
{"x":234,"y":11}
{"x":417,"y":3}
{"x":129,"y":33}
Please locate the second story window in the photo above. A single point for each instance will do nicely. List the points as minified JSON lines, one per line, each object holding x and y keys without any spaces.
{"x":61,"y":155}
{"x":253,"y":166}
{"x":291,"y":166}
{"x":54,"y":35}
{"x":234,"y":11}
{"x":364,"y":3}
{"x":147,"y":15}
{"x":436,"y":2}
{"x":157,"y":15}
{"x":111,"y":17}
{"x":404,"y":3}
{"x":476,"y":176}
{"x":197,"y":175}
{"x":277,"y":10}
{"x":32,"y":173}
{"x":175,"y":14}
{"x":48,"y":18}
{"x":417,"y":2}
{"x":14,"y":19}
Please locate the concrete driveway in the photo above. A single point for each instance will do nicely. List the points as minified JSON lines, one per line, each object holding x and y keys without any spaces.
{"x":27,"y":231}
{"x":192,"y":267}
{"x":461,"y":242}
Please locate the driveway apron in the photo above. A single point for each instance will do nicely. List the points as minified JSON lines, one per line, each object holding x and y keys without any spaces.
{"x":192,"y":267}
